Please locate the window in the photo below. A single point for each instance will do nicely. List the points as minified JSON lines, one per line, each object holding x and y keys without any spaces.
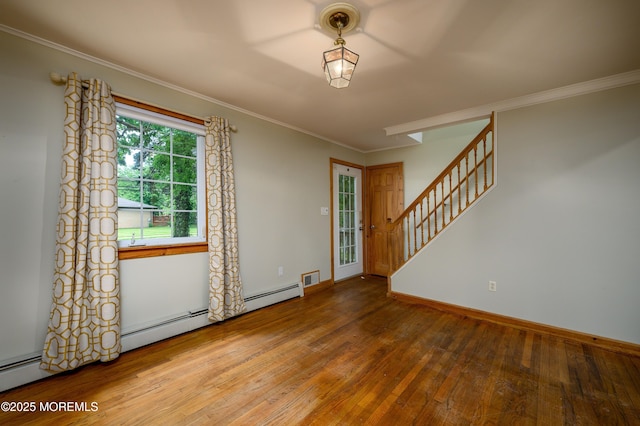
{"x":161,"y":197}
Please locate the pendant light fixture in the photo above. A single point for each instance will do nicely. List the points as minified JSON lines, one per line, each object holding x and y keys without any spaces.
{"x":339,"y":63}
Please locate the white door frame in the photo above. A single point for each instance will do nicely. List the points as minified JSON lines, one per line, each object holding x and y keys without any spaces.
{"x":355,"y":266}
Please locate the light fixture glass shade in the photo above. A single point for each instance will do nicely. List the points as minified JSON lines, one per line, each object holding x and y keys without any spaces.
{"x":338,"y":65}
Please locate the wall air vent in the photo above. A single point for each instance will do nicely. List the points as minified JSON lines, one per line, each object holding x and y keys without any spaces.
{"x":310,"y":278}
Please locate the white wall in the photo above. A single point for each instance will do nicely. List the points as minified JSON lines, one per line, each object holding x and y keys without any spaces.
{"x":282,"y":180}
{"x":560,"y":232}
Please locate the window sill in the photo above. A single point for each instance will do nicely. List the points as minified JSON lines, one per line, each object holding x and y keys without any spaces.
{"x":126,"y":253}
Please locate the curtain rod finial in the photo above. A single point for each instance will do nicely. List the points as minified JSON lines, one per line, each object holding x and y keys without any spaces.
{"x":56,"y":78}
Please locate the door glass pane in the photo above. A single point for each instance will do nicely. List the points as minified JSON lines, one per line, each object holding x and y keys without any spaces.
{"x":347,"y":219}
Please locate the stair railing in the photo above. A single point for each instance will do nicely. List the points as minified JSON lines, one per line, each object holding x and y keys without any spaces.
{"x":459,"y":185}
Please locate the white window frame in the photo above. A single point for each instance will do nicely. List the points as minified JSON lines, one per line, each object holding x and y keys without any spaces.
{"x":175,"y":123}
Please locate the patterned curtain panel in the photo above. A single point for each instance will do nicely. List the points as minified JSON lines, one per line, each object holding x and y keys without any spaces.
{"x":84,"y":325}
{"x":225,"y":286}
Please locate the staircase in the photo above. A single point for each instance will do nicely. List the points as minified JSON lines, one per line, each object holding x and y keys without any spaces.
{"x":461,"y":183}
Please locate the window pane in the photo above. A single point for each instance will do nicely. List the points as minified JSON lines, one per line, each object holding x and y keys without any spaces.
{"x":128,"y":131}
{"x":156,"y":137}
{"x":156,"y":166}
{"x":157,"y":195}
{"x":129,"y":186}
{"x":185,"y":197}
{"x":185,"y":224}
{"x":159,"y":226}
{"x":131,"y":234}
{"x":128,"y":162}
{"x":184,"y":143}
{"x":185,"y":170}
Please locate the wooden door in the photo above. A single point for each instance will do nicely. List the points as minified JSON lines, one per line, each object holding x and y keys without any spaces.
{"x":385,"y":196}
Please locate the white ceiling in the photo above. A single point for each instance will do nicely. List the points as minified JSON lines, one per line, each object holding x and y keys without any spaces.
{"x":418,"y":58}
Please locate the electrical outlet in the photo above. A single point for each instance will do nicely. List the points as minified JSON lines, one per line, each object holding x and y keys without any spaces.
{"x":280,"y":271}
{"x":492,"y":286}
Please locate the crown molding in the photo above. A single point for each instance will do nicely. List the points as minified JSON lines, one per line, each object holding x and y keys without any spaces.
{"x":484,"y":111}
{"x":470,"y":114}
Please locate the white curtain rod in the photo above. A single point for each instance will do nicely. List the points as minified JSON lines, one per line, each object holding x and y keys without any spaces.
{"x":58,"y":79}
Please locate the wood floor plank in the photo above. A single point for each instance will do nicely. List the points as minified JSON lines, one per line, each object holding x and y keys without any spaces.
{"x":549,"y":393}
{"x":348,"y":355}
{"x":527,"y":350}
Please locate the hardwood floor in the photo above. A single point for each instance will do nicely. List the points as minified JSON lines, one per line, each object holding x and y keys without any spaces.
{"x":348,"y":355}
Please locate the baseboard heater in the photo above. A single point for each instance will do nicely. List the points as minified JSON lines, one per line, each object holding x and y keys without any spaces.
{"x":270,"y":297}
{"x":199,"y":316}
{"x":20,"y":361}
{"x":160,"y":323}
{"x":269,"y":293}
